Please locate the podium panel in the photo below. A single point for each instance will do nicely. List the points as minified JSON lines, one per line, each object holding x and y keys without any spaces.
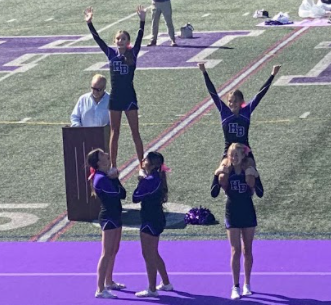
{"x":77,"y":143}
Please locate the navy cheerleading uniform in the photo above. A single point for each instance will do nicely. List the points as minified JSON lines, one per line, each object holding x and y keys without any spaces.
{"x":122,"y":67}
{"x":239,"y":211}
{"x":150,"y":193}
{"x":110,"y":192}
{"x":236,"y":127}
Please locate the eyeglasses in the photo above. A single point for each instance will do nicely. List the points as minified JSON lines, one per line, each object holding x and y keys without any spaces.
{"x":97,"y":89}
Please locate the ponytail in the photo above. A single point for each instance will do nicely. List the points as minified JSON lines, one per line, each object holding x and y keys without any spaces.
{"x":158,"y":161}
{"x":90,"y":179}
{"x":92,"y":162}
{"x":164,"y":185}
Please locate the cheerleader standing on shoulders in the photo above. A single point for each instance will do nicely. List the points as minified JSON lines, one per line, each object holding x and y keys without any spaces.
{"x":235,"y":119}
{"x":122,"y":64}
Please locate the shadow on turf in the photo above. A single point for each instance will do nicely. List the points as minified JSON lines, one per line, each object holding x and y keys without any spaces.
{"x":270,"y":298}
{"x":185,"y":298}
{"x":131,"y":218}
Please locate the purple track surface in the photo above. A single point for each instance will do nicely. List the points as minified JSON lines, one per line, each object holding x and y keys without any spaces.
{"x":61,"y":273}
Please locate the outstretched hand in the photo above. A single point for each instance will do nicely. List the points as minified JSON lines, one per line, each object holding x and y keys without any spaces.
{"x":201,"y":66}
{"x":88,"y":13}
{"x":141,"y":11}
{"x":275,"y":69}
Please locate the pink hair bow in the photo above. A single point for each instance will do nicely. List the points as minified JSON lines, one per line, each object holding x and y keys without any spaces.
{"x":165,"y":168}
{"x":92,"y":174}
{"x":247,"y":150}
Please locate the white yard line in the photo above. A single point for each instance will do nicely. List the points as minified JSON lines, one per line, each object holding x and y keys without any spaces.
{"x":55,"y":229}
{"x":23,"y":206}
{"x":304,"y":115}
{"x":24,"y":120}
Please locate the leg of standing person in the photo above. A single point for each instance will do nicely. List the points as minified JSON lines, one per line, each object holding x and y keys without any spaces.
{"x":115,"y":124}
{"x":248,"y":237}
{"x":109,"y":282}
{"x":132,"y":116}
{"x":167,"y":13}
{"x":156,"y":14}
{"x":149,"y":246}
{"x":161,"y":268}
{"x":234,"y":239}
{"x":107,"y":258}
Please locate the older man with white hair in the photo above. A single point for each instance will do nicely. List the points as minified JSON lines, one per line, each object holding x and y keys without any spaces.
{"x":92,"y":108}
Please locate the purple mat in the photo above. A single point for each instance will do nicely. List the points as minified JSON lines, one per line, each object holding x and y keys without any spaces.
{"x":284,"y":272}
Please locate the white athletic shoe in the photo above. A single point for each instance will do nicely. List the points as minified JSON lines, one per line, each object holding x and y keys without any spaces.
{"x":146,"y":293}
{"x":115,"y":286}
{"x":247,"y":290}
{"x":235,"y":293}
{"x":105,"y":294}
{"x":163,"y":287}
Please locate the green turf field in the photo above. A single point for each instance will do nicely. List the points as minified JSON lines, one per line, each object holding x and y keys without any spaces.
{"x":292,"y":153}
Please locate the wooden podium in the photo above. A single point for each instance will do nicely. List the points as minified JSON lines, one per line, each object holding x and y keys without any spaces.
{"x":77,"y":143}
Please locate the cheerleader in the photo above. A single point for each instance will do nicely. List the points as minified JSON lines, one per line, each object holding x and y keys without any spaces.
{"x":152,"y":192}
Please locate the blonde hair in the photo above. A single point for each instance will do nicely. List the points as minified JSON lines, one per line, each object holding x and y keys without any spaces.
{"x":237,"y":146}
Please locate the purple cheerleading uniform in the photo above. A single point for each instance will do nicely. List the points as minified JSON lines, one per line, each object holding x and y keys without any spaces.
{"x":239,"y":211}
{"x":236,"y":127}
{"x":149,"y":192}
{"x":110,"y":192}
{"x":122,"y":96}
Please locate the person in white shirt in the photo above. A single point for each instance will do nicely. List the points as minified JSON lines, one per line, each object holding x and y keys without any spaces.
{"x":92,"y":108}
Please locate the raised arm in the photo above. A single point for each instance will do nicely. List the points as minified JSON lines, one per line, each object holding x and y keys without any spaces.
{"x":103,"y":46}
{"x":141,"y":12}
{"x":264,"y":89}
{"x":211,"y":88}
